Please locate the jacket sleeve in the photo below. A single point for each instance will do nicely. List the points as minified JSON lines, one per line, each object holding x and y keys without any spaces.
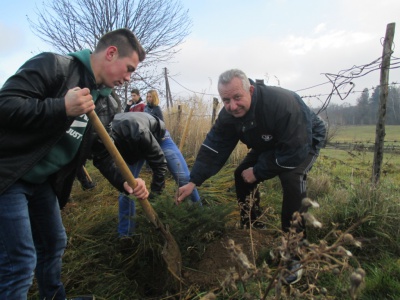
{"x":266,"y":167}
{"x":28,"y":99}
{"x":156,"y":160}
{"x":319,"y":132}
{"x":214,"y":152}
{"x":109,"y":170}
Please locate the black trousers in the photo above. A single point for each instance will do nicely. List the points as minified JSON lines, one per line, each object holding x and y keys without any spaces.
{"x":293,"y":182}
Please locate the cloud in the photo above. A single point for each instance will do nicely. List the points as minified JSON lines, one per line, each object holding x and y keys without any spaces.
{"x":320,"y":28}
{"x":293,"y":61}
{"x":12,"y":39}
{"x":336,"y":39}
{"x":17,"y":45}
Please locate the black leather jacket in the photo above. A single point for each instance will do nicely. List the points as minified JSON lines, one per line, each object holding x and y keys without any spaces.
{"x":33,"y":119}
{"x":137,"y":136}
{"x":278,"y":124}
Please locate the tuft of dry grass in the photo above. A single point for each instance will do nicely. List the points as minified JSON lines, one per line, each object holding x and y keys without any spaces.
{"x":327,"y":255}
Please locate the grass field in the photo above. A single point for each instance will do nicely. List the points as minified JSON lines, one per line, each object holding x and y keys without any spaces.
{"x":365,"y":133}
{"x":356,"y":163}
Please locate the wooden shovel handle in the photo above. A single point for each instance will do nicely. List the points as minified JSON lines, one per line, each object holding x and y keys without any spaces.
{"x":121,"y":164}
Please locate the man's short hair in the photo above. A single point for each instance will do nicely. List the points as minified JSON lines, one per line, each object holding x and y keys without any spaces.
{"x":124,"y":40}
{"x":135,"y":91}
{"x":228,"y":75}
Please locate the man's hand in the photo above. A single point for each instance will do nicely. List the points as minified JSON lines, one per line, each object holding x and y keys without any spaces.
{"x":140,"y":191}
{"x":248,"y":176}
{"x":78,"y":102}
{"x":184,"y":191}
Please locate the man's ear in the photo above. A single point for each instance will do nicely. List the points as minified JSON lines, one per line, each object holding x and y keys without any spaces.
{"x":251,"y":90}
{"x":111,"y":53}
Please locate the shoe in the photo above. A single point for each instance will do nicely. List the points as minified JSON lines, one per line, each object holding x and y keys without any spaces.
{"x":126,"y":244}
{"x":244,"y":224}
{"x":88,"y":185}
{"x":259,"y":225}
{"x":295,"y":271}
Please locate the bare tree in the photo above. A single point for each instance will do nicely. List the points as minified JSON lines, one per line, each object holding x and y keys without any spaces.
{"x":73,"y":25}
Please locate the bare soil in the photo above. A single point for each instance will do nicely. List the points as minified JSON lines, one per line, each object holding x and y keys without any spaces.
{"x":216,"y":261}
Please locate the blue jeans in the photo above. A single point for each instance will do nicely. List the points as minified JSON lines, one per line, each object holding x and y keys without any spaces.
{"x":178,"y":168}
{"x":32,"y":239}
{"x":126,"y":206}
{"x":177,"y":165}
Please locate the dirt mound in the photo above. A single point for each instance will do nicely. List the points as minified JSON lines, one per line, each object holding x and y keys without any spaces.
{"x":216,"y":261}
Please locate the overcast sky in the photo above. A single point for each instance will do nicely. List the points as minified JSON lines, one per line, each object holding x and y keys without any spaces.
{"x":286,"y":43}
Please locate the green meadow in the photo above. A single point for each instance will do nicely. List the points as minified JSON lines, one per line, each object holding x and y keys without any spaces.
{"x":346,"y":160}
{"x":365,"y":133}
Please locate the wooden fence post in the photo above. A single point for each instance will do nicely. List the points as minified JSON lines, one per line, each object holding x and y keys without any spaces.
{"x":184,"y":135}
{"x":176,"y":132}
{"x":384,"y":89}
{"x":214,"y":110}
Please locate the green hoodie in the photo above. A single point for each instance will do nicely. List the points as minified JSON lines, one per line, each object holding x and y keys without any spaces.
{"x":65,"y":150}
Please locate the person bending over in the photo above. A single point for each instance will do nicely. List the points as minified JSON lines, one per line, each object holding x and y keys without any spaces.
{"x":176,"y":163}
{"x":136,"y":135}
{"x":284,"y":136}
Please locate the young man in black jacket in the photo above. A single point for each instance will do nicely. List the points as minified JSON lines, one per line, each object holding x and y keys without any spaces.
{"x":284,"y":136}
{"x":45,"y":137}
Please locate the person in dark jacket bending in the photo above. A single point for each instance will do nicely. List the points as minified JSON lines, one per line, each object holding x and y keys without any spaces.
{"x":45,"y":137}
{"x":137,"y":136}
{"x":284,"y":136}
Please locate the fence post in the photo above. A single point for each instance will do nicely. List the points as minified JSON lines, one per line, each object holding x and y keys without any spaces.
{"x":174,"y":124}
{"x":214,"y":110}
{"x":384,"y":81}
{"x":184,"y":135}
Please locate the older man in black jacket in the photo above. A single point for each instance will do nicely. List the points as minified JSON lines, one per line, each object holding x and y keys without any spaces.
{"x":45,"y":137}
{"x":284,"y":136}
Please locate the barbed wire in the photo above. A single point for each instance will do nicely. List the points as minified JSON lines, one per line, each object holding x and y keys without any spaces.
{"x":345,"y":78}
{"x":189,"y":90}
{"x":352,"y":92}
{"x":302,"y":96}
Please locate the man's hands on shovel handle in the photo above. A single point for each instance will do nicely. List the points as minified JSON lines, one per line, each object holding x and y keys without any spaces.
{"x":140,"y":191}
{"x":78,"y":101}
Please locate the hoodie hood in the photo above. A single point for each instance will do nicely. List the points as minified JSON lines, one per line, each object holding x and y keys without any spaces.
{"x":84,"y":57}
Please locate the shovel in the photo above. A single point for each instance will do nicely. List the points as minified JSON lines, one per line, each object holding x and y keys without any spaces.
{"x":170,"y":253}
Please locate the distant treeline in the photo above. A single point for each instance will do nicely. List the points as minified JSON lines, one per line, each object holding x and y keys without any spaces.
{"x":365,"y":112}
